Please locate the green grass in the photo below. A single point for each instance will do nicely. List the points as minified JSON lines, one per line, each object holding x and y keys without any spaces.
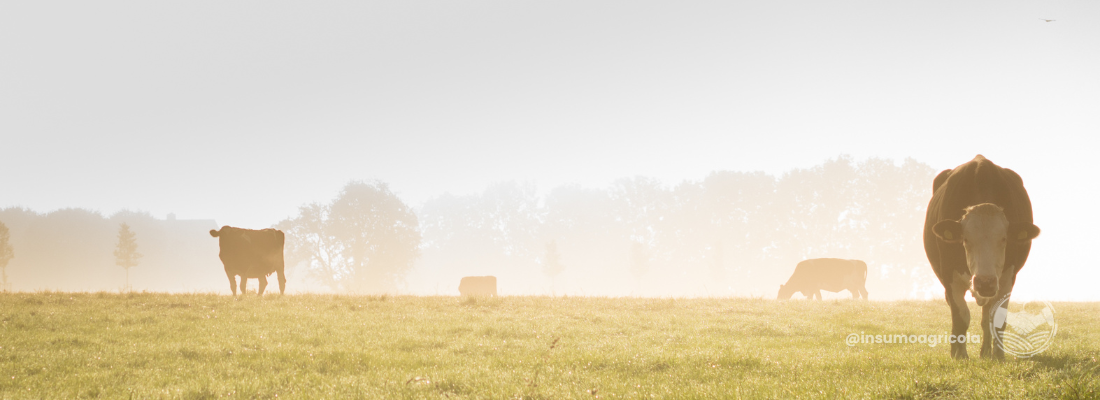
{"x":65,"y":345}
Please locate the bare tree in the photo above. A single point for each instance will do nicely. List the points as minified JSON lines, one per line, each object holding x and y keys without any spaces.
{"x":308,"y":241}
{"x":126,"y":254}
{"x":365,"y":240}
{"x":6,"y":254}
{"x":496,"y":232}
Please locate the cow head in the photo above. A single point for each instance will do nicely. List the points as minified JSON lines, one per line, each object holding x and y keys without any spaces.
{"x":984,"y":232}
{"x":785,"y":292}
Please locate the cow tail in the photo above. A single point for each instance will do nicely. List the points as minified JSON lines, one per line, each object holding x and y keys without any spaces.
{"x":864,"y":268}
{"x":214,"y":233}
{"x":280,"y":238}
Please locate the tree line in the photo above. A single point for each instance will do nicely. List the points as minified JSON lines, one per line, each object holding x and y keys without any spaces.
{"x":730,"y":233}
{"x":82,"y":250}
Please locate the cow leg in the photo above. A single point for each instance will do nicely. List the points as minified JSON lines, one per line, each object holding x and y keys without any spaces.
{"x":244,"y":282}
{"x":282,"y":281}
{"x":233,"y":283}
{"x":263,"y":285}
{"x":817,"y":295}
{"x":960,"y":317}
{"x":989,"y":350}
{"x":863,"y":292}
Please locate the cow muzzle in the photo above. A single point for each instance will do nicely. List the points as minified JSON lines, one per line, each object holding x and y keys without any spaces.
{"x":985,"y":285}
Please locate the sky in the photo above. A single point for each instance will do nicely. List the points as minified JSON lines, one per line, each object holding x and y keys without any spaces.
{"x":243,"y":111}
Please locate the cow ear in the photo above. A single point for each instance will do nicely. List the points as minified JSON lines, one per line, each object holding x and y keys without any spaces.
{"x":948,"y":231}
{"x":1022,"y":231}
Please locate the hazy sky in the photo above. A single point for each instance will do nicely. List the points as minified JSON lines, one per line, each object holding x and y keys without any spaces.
{"x":242,"y":111}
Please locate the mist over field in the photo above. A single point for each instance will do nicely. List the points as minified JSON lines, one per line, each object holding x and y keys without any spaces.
{"x":611,"y":149}
{"x":730,"y":234}
{"x":491,"y":199}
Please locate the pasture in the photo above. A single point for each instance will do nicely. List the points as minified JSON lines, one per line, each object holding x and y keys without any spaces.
{"x":199,"y":346}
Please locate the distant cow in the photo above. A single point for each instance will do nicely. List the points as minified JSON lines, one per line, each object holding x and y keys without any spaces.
{"x":977,"y":235}
{"x":478,"y":286}
{"x":830,"y":274}
{"x":251,"y":254}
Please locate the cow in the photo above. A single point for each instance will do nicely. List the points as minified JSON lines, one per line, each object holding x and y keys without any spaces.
{"x":250,"y":253}
{"x":478,"y":286}
{"x":977,"y":236}
{"x":830,"y":274}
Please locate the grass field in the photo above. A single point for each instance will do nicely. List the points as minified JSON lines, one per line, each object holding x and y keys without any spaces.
{"x":65,"y":345}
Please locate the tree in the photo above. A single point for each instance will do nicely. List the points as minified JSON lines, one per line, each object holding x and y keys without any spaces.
{"x":641,"y":206}
{"x":551,"y":264}
{"x":744,"y":231}
{"x":366,"y":239}
{"x":6,"y":254}
{"x":126,"y":254}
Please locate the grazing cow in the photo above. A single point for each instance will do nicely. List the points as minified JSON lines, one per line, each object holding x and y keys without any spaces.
{"x":830,"y":274}
{"x":977,"y":235}
{"x":250,"y":253}
{"x":478,"y":286}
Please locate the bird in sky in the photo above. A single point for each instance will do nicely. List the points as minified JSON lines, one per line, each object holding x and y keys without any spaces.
{"x":1047,"y":20}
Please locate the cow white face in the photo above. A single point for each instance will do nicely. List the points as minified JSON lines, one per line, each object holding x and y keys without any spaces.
{"x":984,"y":232}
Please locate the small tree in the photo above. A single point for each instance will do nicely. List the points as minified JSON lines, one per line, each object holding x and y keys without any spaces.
{"x":6,"y":254}
{"x":126,"y":254}
{"x":551,"y":264}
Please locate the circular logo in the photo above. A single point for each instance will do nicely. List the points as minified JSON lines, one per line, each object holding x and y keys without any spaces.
{"x":1026,"y":329}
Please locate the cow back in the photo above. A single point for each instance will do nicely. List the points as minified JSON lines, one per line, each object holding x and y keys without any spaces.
{"x":250,"y":253}
{"x":478,"y":286}
{"x":831,"y":274}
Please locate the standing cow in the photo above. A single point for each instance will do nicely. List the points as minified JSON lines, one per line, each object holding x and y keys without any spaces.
{"x":977,"y":235}
{"x":830,"y":274}
{"x":251,"y":254}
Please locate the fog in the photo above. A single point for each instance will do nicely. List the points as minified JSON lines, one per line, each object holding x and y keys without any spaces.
{"x":239,"y":114}
{"x":732,"y":233}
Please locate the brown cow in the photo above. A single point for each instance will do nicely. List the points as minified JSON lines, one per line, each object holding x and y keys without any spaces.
{"x":250,"y":253}
{"x":810,"y":277}
{"x":977,"y":235}
{"x":478,"y":286}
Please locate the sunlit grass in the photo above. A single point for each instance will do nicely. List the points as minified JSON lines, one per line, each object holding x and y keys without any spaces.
{"x":62,"y":345}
